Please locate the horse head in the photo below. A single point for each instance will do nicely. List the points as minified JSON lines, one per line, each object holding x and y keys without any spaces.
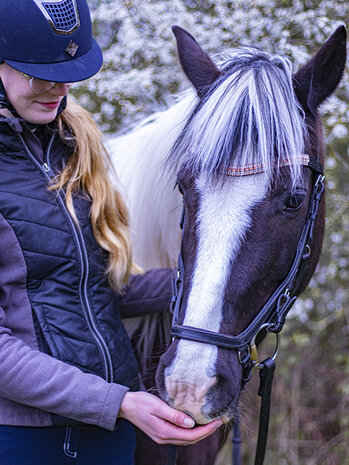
{"x":243,"y":162}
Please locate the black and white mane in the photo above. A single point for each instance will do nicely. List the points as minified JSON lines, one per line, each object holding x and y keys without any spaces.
{"x":248,"y":116}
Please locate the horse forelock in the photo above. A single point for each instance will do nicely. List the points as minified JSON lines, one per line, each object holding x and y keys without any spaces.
{"x":249,"y":115}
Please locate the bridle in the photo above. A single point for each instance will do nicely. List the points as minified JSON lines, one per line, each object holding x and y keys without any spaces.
{"x":271,"y":317}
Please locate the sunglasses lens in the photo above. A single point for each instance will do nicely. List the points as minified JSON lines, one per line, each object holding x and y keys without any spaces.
{"x":39,"y":86}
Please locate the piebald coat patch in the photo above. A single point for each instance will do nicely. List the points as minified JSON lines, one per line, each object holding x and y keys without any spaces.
{"x":218,"y":245}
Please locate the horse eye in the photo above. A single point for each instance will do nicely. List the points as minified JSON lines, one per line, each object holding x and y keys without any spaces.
{"x":180,"y":188}
{"x":294,"y":200}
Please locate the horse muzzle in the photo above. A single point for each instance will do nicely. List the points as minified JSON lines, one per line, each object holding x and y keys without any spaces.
{"x":189,"y":379}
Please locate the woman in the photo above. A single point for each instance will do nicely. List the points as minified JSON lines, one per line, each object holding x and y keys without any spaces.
{"x":68,"y":376}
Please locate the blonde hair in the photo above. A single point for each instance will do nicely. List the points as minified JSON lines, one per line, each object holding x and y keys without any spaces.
{"x":87,"y":171}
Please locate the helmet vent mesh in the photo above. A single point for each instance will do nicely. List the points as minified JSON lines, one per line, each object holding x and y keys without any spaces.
{"x":63,"y":14}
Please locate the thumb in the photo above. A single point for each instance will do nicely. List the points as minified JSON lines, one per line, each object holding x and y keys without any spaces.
{"x":188,"y":422}
{"x":177,"y":417}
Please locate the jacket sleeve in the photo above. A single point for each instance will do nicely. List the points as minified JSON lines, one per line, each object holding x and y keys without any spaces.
{"x":32,"y":378}
{"x":35,"y":379}
{"x":147,"y":293}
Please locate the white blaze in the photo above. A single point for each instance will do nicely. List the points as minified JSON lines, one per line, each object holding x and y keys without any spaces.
{"x":223,"y":218}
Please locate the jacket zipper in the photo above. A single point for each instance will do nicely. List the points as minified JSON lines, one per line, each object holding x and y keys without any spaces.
{"x":84,"y":264}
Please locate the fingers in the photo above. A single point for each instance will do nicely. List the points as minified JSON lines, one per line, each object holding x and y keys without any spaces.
{"x":162,"y":423}
{"x":135,"y":403}
{"x":182,"y":437}
{"x":173,"y":431}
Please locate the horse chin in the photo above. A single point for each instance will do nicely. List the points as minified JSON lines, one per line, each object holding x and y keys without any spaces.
{"x":203,"y":420}
{"x":200,"y":419}
{"x":226,"y":418}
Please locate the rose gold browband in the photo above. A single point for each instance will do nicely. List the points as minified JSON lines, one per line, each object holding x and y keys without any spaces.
{"x":258,"y":168}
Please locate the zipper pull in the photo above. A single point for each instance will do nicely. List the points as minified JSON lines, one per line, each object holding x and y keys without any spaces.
{"x":45,"y":166}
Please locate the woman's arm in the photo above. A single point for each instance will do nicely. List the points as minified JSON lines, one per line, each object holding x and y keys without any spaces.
{"x":147,"y":293}
{"x":32,"y":378}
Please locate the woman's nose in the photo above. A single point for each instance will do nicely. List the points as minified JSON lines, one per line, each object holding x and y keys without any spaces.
{"x":61,"y":88}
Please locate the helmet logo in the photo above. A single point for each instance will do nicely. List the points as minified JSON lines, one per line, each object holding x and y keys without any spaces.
{"x":72,"y":48}
{"x":62,"y":15}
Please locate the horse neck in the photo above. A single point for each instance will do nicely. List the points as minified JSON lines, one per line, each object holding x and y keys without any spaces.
{"x":153,"y":203}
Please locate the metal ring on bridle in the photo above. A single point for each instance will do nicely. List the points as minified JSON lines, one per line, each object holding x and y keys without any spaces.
{"x":253,"y":349}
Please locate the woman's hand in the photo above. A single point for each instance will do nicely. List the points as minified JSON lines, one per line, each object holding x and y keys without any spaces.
{"x":162,"y":423}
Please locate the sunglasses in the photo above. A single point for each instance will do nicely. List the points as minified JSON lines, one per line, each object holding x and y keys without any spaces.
{"x":40,"y":86}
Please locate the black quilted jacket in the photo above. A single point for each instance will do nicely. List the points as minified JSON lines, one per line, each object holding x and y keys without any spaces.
{"x":55,"y":299}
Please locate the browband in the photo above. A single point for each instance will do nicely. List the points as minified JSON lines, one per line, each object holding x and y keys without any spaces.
{"x":258,"y":168}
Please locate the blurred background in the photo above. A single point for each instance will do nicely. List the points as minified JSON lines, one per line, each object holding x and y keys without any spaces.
{"x":141,"y":74}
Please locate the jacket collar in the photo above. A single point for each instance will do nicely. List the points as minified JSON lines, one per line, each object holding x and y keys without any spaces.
{"x":4,"y":103}
{"x":10,"y":117}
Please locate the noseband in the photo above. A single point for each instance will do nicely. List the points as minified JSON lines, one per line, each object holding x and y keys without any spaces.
{"x":271,"y":317}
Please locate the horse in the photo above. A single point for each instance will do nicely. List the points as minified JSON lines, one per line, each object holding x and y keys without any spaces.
{"x":245,"y":148}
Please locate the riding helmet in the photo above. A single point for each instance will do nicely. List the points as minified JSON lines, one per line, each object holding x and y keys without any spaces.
{"x":49,"y":39}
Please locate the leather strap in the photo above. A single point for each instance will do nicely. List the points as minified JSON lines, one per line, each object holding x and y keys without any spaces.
{"x":258,"y":168}
{"x":236,"y":442}
{"x":171,"y":455}
{"x":266,"y":380}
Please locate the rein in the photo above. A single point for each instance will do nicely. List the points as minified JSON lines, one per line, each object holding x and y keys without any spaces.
{"x":271,"y":317}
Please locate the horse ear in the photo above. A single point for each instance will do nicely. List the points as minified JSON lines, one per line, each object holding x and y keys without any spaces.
{"x":197,"y":65}
{"x":319,"y":77}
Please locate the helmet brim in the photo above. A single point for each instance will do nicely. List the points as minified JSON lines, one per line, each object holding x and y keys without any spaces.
{"x":74,"y":70}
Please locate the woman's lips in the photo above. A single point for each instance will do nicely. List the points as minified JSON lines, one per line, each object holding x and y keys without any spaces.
{"x":50,"y":105}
